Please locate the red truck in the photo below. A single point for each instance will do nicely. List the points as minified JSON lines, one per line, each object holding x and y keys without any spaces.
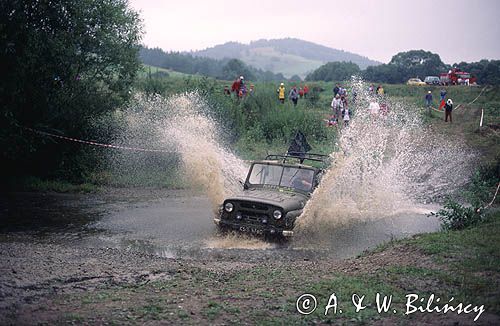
{"x":457,"y":77}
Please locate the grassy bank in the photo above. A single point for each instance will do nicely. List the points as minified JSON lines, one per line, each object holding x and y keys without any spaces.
{"x":459,"y":264}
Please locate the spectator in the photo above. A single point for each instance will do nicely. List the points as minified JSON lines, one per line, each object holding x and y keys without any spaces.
{"x":306,"y":90}
{"x":428,"y":101}
{"x":346,"y":115}
{"x":336,"y":90}
{"x":447,"y":110}
{"x":294,"y":95}
{"x":443,"y":96}
{"x":301,"y":92}
{"x":235,"y":87}
{"x":374,"y":109}
{"x":343,"y":98}
{"x":281,"y":93}
{"x":370,"y":89}
{"x":243,"y":88}
{"x":336,"y":106}
{"x":380,"y":90}
{"x":342,"y":91}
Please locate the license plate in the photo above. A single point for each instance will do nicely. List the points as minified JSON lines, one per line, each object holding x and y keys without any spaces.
{"x":251,"y":230}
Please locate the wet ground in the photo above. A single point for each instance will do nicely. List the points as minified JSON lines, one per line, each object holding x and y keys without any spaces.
{"x":178,"y":224}
{"x":59,"y":246}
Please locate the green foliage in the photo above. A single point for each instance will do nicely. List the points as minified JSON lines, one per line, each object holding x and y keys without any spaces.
{"x":63,"y":63}
{"x":487,"y":72}
{"x":479,"y":192}
{"x":334,"y":71}
{"x":405,"y":65}
{"x":226,"y":69}
{"x":234,"y":68}
{"x":455,"y":216}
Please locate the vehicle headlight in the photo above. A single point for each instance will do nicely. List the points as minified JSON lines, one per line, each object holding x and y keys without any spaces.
{"x":277,"y":214}
{"x":229,"y":207}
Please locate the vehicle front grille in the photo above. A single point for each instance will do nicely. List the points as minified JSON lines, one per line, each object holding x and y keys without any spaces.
{"x":254,"y":206}
{"x":255,"y":213}
{"x":253,"y":218}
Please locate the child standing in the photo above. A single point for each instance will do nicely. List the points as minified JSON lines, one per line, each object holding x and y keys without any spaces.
{"x":346,"y":114}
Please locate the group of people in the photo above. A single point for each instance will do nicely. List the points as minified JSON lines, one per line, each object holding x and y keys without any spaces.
{"x":443,"y":103}
{"x":339,"y":103}
{"x":293,"y":95}
{"x":376,"y":91}
{"x":239,"y":88}
{"x":339,"y":106}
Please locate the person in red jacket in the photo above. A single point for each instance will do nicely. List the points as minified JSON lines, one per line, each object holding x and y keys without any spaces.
{"x":235,"y":88}
{"x":306,"y":90}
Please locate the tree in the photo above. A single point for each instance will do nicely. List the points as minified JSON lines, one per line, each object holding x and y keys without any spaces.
{"x":486,"y":71}
{"x":405,"y":65}
{"x":63,"y":63}
{"x":334,"y":71}
{"x":418,"y":63}
{"x":295,"y":78}
{"x":235,"y":68}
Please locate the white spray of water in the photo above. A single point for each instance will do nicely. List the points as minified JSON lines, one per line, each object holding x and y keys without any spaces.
{"x":182,"y":125}
{"x":387,"y":163}
{"x":205,"y":161}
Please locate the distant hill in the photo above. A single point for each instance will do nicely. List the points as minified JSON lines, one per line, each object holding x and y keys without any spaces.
{"x":289,"y":56}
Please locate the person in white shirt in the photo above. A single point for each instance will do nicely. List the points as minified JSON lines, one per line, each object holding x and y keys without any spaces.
{"x":337,"y":106}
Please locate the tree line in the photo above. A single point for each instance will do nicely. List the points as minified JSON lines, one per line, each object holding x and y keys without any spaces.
{"x":405,"y":65}
{"x":225,"y":69}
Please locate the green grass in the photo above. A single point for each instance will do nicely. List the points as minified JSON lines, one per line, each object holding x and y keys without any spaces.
{"x":146,"y":69}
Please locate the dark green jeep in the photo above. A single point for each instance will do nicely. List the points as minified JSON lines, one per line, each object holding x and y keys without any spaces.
{"x":274,"y":195}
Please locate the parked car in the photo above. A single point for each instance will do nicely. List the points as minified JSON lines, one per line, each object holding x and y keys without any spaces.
{"x":274,"y":194}
{"x":432,"y":80}
{"x":415,"y":82}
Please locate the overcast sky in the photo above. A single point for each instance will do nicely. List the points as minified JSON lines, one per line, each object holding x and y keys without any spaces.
{"x":457,"y":30}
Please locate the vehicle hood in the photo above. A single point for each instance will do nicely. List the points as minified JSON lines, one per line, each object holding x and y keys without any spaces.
{"x":287,"y":200}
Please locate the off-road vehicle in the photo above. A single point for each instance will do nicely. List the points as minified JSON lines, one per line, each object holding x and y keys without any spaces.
{"x":274,"y":194}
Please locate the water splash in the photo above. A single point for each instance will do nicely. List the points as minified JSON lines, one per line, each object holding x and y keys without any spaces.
{"x":388,"y":162}
{"x":183,"y":127}
{"x":238,"y":241}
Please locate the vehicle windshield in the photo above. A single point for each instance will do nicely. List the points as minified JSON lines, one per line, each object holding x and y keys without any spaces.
{"x":282,"y":176}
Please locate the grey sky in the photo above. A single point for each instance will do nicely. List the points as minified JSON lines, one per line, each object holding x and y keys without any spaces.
{"x":458,"y":30}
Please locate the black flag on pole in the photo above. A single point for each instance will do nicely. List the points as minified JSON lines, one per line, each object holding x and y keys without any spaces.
{"x":299,"y":145}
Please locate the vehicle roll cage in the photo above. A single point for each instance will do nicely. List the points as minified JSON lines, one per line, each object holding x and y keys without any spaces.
{"x":301,"y":157}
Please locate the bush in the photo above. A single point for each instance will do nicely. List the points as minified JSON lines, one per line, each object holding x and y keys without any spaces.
{"x":455,"y":216}
{"x":480,"y":190}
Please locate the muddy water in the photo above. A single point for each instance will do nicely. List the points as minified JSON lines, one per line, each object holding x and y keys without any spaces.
{"x":178,"y":224}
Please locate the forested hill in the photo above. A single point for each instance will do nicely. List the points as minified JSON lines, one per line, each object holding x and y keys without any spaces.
{"x":226,"y":69}
{"x":289,"y":56}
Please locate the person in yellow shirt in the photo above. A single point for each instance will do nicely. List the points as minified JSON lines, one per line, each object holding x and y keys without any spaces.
{"x":380,"y":90}
{"x":281,"y":93}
